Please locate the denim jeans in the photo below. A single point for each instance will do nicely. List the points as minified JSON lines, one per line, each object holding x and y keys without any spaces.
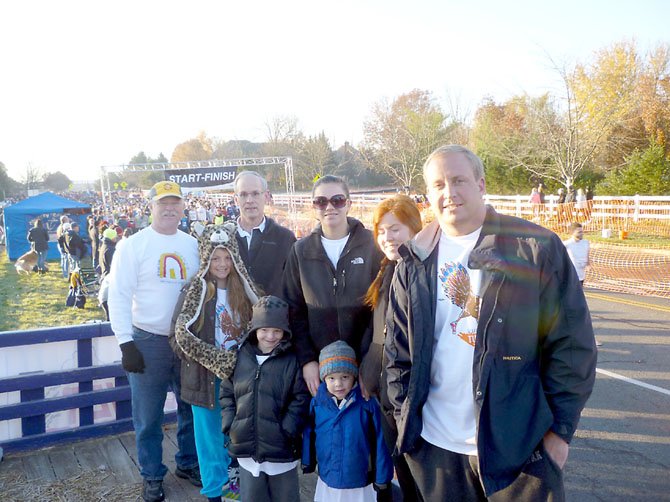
{"x":75,"y":262}
{"x":149,"y":390}
{"x":64,"y":263}
{"x":41,"y":259}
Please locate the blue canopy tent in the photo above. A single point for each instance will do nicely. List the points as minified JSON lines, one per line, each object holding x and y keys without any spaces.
{"x":49,"y":207}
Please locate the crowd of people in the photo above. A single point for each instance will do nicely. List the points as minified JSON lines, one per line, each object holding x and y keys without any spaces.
{"x":456,"y":356}
{"x":571,"y":204}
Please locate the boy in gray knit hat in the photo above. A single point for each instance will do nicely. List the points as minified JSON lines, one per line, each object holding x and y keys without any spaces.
{"x":344,"y":434}
{"x":264,"y":406}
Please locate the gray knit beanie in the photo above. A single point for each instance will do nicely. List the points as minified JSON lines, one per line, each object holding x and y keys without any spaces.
{"x":270,"y":312}
{"x":337,"y":357}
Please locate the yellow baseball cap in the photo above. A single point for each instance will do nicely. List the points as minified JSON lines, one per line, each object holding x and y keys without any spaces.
{"x":165,"y":189}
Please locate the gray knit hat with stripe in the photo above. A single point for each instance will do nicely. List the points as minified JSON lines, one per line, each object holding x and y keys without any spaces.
{"x":337,"y":357}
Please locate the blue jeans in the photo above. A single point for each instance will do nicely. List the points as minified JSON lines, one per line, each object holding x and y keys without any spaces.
{"x":75,"y":262}
{"x":64,"y":263}
{"x":209,"y":441}
{"x":41,"y":259}
{"x":149,"y":390}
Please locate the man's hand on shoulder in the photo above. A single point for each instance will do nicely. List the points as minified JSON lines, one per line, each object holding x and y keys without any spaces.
{"x":131,"y":358}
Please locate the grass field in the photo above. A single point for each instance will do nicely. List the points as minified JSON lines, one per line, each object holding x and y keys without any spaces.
{"x":38,"y":301}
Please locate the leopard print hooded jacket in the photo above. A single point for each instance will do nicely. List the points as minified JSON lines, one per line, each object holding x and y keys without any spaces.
{"x":218,"y":360}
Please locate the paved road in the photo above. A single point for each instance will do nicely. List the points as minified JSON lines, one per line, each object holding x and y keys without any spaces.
{"x":622,"y":449}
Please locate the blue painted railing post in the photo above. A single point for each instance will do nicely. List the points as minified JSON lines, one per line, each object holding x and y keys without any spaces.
{"x":123,"y":408}
{"x":85,"y":359}
{"x":36,"y":424}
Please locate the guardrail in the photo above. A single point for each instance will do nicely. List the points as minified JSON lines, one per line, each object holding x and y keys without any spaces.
{"x":34,"y":406}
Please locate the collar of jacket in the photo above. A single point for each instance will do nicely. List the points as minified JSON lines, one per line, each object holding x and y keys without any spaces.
{"x":485,"y":255}
{"x":313,"y":247}
{"x":324,"y":398}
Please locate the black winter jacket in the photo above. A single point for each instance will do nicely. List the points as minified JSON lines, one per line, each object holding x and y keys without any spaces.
{"x":74,"y":244}
{"x":373,"y":364}
{"x":534,"y":358}
{"x":267,"y":267}
{"x":106,"y":253}
{"x":264,"y":407}
{"x":326,"y":305}
{"x":39,"y":238}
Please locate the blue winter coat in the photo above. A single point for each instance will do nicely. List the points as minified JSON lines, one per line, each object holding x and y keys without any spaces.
{"x":345,"y":440}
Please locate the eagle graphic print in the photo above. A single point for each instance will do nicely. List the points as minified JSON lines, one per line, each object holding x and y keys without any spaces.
{"x":455,"y":282}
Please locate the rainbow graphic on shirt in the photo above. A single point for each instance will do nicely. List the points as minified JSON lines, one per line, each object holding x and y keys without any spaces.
{"x":171,"y":266}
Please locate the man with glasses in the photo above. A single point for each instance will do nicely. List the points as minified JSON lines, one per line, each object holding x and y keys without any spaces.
{"x":264,"y":244}
{"x":148,"y":271}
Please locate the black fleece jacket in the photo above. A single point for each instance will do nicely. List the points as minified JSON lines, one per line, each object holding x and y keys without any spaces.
{"x":326,"y":304}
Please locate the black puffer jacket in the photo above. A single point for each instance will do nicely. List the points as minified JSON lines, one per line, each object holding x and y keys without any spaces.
{"x":265,"y":406}
{"x":326,"y":305}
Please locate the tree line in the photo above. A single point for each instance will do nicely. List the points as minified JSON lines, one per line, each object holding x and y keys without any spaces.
{"x":606,"y":126}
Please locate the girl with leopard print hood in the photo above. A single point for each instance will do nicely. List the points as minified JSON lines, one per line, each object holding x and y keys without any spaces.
{"x":211,"y":317}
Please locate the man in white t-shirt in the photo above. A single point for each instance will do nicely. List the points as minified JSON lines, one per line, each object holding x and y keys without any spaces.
{"x":148,"y":271}
{"x":578,"y":250}
{"x":490,"y":346}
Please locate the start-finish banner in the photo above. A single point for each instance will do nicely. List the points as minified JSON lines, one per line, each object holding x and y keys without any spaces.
{"x":199,"y":178}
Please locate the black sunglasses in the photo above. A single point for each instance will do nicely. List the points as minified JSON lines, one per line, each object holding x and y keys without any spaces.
{"x":338,"y":201}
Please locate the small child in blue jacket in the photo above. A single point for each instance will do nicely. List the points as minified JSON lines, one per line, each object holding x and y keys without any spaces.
{"x":344,"y":434}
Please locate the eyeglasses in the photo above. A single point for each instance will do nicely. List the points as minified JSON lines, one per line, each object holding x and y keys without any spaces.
{"x":337,"y":201}
{"x":163,"y":203}
{"x":254,"y":195}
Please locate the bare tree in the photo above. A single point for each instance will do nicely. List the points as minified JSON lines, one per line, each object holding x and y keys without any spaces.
{"x":559,"y":135}
{"x":32,"y":176}
{"x":400,"y":135}
{"x":283,"y":133}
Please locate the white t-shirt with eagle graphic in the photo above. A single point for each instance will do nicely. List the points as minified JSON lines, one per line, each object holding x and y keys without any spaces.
{"x":449,"y":414}
{"x":227,"y":331}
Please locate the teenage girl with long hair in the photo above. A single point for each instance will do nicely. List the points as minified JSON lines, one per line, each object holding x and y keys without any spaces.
{"x":209,"y":328}
{"x":395,"y":221}
{"x":326,"y":276}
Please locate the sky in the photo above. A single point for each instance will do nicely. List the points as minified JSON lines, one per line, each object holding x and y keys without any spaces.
{"x":85,"y":84}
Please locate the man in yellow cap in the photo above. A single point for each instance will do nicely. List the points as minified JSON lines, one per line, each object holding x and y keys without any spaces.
{"x":148,"y":271}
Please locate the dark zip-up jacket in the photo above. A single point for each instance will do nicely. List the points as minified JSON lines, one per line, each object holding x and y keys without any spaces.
{"x":326,"y":304}
{"x":534,"y":358}
{"x":268,"y":264}
{"x":372,"y":370}
{"x":39,"y":238}
{"x":106,"y":253}
{"x":264,"y":407}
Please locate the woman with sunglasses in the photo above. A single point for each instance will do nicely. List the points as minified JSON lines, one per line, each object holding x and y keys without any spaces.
{"x":395,"y":221}
{"x":326,"y":277}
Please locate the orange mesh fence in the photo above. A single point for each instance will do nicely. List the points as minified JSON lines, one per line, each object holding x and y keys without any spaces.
{"x":630,"y":270}
{"x":614,"y":267}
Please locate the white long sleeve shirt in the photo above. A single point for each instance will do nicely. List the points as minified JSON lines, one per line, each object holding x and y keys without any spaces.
{"x":148,"y":271}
